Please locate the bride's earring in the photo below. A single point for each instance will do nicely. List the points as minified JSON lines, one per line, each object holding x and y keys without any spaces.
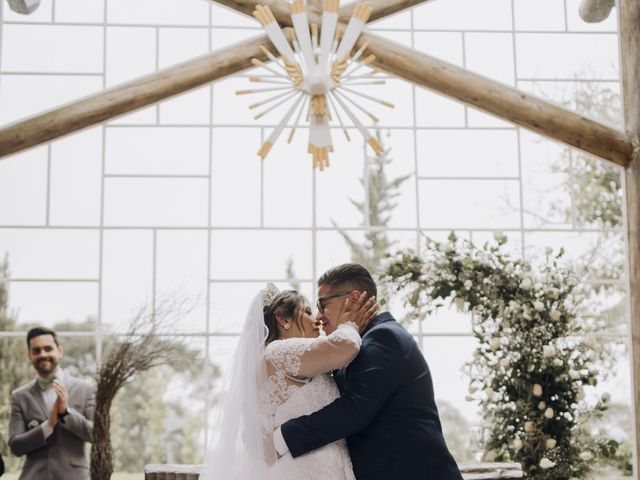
{"x":286,"y":326}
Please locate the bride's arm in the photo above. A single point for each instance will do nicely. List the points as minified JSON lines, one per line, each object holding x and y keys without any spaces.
{"x":305,"y":357}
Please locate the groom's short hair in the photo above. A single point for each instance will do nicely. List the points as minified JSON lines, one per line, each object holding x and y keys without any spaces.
{"x":351,"y":275}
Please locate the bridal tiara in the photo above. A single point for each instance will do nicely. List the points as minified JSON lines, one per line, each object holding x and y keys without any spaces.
{"x":269,"y":293}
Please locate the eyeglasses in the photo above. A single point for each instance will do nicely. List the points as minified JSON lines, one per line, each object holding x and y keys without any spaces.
{"x":322,"y":301}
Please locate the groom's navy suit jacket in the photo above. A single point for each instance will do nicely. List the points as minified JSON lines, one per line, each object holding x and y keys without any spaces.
{"x":387,"y":412}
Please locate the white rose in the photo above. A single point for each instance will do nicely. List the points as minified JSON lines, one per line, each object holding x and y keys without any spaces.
{"x":545,"y":463}
{"x":513,"y":305}
{"x":490,"y":456}
{"x":557,"y":362}
{"x":548,"y":250}
{"x":538,"y":305}
{"x":537,"y":390}
{"x":550,"y":443}
{"x":606,"y":396}
{"x":528,"y":426}
{"x":494,"y":344}
{"x":584,"y":372}
{"x":555,"y":315}
{"x":509,"y":268}
{"x":504,"y":363}
{"x":445,"y":247}
{"x":489,"y":393}
{"x":526,"y":284}
{"x":549,"y":413}
{"x":586,"y":456}
{"x":498,"y":235}
{"x":517,"y":444}
{"x":548,"y":351}
{"x":542,"y":406}
{"x":468,"y":284}
{"x":573,"y":375}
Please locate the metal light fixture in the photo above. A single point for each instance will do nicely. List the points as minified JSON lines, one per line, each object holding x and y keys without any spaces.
{"x":316,"y":74}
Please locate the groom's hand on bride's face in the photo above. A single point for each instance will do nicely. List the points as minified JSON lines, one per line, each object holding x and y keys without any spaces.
{"x":359,"y":309}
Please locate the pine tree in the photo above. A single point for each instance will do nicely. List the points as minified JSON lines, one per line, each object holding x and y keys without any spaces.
{"x":380,"y":193}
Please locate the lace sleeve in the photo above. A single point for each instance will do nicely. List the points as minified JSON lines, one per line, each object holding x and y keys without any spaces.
{"x":307,"y":357}
{"x":286,"y":355}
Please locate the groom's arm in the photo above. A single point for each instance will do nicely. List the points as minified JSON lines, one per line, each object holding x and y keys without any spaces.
{"x":374,"y":376}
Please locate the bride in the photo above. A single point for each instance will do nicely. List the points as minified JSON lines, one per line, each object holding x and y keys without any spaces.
{"x":281,"y":370}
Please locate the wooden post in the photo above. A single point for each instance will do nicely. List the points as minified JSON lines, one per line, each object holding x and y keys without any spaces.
{"x":629,"y":21}
{"x":501,"y":100}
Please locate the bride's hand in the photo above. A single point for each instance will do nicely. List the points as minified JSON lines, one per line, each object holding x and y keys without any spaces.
{"x":361,"y":312}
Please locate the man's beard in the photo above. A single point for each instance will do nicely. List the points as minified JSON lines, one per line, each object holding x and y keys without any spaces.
{"x":45,"y":370}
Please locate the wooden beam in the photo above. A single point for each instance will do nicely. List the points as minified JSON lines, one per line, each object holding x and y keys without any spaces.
{"x":159,"y":86}
{"x":130,"y":96}
{"x":500,"y":100}
{"x":629,"y":25}
{"x":280,"y":9}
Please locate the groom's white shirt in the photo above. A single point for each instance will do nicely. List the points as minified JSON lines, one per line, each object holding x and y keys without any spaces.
{"x":280,"y":444}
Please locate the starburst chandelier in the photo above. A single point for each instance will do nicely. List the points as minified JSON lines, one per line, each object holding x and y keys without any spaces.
{"x":316,"y":74}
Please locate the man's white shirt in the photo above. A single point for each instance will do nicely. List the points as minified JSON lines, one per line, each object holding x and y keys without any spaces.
{"x":50,"y":398}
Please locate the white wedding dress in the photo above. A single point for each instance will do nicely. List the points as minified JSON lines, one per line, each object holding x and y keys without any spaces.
{"x":298,"y":383}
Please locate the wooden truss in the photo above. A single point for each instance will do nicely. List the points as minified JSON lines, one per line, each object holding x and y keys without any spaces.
{"x":618,"y":147}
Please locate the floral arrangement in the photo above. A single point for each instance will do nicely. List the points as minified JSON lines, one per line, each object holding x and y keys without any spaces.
{"x":534,"y":369}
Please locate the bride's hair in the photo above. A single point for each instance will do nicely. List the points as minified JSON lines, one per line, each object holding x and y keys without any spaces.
{"x":287,"y":304}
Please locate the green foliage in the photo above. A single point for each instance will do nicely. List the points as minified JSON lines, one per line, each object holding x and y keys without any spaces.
{"x":535,"y":361}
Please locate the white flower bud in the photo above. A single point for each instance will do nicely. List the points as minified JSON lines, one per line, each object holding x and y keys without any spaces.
{"x":586,"y":455}
{"x":517,"y":444}
{"x":549,"y":413}
{"x":548,"y":250}
{"x":490,"y":456}
{"x":528,"y":426}
{"x":537,"y":390}
{"x":542,"y":406}
{"x":494,"y":344}
{"x":548,"y":351}
{"x":550,"y":443}
{"x":606,"y":396}
{"x":509,"y":268}
{"x":573,"y":375}
{"x":555,"y":315}
{"x":557,"y":362}
{"x":504,"y":362}
{"x":468,"y":284}
{"x":545,"y":463}
{"x":526,"y":284}
{"x":538,"y":305}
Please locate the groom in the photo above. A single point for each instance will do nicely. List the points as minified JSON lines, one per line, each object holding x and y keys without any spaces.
{"x":387,"y":411}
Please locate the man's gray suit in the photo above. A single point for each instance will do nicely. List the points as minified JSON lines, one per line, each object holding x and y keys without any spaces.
{"x":62,"y":455}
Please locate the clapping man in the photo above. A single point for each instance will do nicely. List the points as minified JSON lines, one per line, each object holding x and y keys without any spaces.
{"x":52,"y":416}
